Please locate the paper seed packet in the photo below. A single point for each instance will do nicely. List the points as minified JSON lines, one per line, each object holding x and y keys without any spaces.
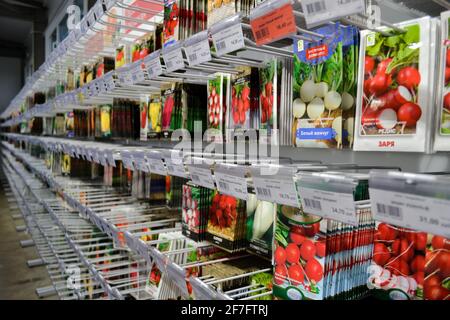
{"x":395,"y":104}
{"x":318,"y":90}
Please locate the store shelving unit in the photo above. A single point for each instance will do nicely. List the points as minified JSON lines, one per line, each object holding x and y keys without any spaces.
{"x":77,"y":224}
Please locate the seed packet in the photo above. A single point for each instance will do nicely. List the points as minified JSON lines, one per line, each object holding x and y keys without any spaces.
{"x":154,"y":114}
{"x":171,"y":114}
{"x":70,"y":125}
{"x":349,"y":86}
{"x":171,"y":21}
{"x":218,"y":94}
{"x":135,"y":52}
{"x":442,"y":139}
{"x":398,"y":266}
{"x":226,"y":224}
{"x":105,"y":121}
{"x":269,"y":99}
{"x":65,"y":164}
{"x":194,"y":100}
{"x":260,"y":225}
{"x":318,"y":89}
{"x":103,"y":66}
{"x":394,"y":102}
{"x":299,"y":255}
{"x":144,"y":109}
{"x":215,"y":105}
{"x":121,"y":58}
{"x":219,"y":10}
{"x":195,"y":211}
{"x":239,"y":113}
{"x":436,"y":279}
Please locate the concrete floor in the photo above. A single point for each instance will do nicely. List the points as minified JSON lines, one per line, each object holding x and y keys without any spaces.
{"x":17,"y":280}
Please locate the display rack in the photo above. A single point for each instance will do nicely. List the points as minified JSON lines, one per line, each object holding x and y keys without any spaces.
{"x":115,"y":239}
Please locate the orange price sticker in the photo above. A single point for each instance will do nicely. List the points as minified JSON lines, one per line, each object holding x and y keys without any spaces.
{"x":317,"y":52}
{"x":274,"y":25}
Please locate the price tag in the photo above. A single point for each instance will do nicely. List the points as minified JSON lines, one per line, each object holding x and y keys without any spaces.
{"x":178,"y":276}
{"x":98,"y":10}
{"x":127,"y":160}
{"x":201,"y":176}
{"x":153,"y":64}
{"x":328,"y":195}
{"x":159,"y":258}
{"x":273,"y":20}
{"x":411,"y":211}
{"x":173,"y":58}
{"x":124,"y":76}
{"x":101,"y":88}
{"x":227,"y":36}
{"x":102,"y":159}
{"x":197,"y":49}
{"x":91,"y":18}
{"x":331,"y":205}
{"x":108,"y":81}
{"x":137,"y":74}
{"x":156,"y":163}
{"x":419,"y":202}
{"x":321,"y":11}
{"x":230,"y":179}
{"x":140,"y":161}
{"x":95,"y":156}
{"x":109,"y":156}
{"x":109,"y":4}
{"x":176,"y":167}
{"x":275,"y":185}
{"x":84,"y":26}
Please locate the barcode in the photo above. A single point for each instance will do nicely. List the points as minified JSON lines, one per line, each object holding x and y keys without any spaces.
{"x":221,"y":45}
{"x":394,"y":212}
{"x":169,"y":64}
{"x":193,"y":57}
{"x":264,"y":191}
{"x":264,"y":32}
{"x":224,"y":186}
{"x":316,"y":7}
{"x":314,"y":204}
{"x":195,"y":177}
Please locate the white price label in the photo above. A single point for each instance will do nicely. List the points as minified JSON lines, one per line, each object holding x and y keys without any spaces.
{"x":174,"y":60}
{"x":127,"y":161}
{"x":198,"y":53}
{"x":201,"y":176}
{"x":176,"y":169}
{"x":102,"y":160}
{"x":231,"y":180}
{"x":228,"y":39}
{"x":109,"y":156}
{"x":157,"y":167}
{"x":98,"y":10}
{"x":153,"y":65}
{"x":332,"y":205}
{"x":411,"y":211}
{"x":95,"y":156}
{"x":278,"y":188}
{"x":140,"y":162}
{"x":321,"y":11}
{"x":101,"y":88}
{"x":178,"y":276}
{"x":137,"y":74}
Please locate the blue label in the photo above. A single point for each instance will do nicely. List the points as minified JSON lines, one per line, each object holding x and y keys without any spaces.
{"x":333,"y":35}
{"x":316,"y":133}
